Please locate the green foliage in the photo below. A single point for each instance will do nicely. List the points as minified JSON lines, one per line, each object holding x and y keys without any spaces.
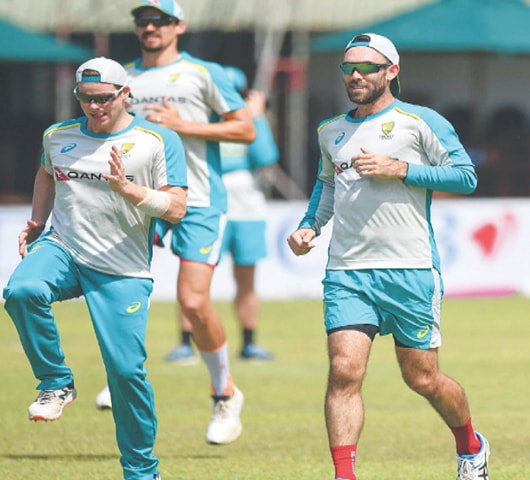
{"x":485,"y":349}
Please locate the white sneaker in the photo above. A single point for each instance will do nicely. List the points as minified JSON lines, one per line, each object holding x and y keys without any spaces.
{"x":50,"y":403}
{"x":225,"y":424}
{"x":474,"y":467}
{"x":103,"y":400}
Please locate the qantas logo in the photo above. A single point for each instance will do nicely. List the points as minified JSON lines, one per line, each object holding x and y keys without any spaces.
{"x":60,"y":176}
{"x":339,"y":168}
{"x":136,"y":101}
{"x":67,"y":175}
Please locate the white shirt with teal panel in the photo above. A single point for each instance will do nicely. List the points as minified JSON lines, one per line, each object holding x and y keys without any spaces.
{"x":240,"y":162}
{"x":382,"y":223}
{"x":201,"y":92}
{"x":97,"y":225}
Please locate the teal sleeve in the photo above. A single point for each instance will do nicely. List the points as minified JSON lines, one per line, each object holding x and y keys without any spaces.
{"x":320,"y":208}
{"x":263,"y":151}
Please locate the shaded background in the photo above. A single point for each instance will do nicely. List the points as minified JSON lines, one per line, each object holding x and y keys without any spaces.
{"x":468,"y":59}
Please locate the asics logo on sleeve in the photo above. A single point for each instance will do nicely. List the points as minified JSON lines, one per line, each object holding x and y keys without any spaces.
{"x":423,"y":332}
{"x":133,"y":307}
{"x":340,"y":138}
{"x":35,"y":248}
{"x":68,"y":148}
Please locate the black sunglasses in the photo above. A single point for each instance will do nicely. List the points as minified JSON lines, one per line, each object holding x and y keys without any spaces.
{"x":364,"y":68}
{"x":99,"y":99}
{"x":156,"y":20}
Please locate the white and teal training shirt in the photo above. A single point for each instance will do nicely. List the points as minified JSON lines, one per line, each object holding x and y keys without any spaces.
{"x":201,"y":92}
{"x":97,"y":225}
{"x":381,"y":223}
{"x":239,"y":162}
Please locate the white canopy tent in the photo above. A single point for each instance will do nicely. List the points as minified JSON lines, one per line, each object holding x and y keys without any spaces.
{"x":309,"y":15}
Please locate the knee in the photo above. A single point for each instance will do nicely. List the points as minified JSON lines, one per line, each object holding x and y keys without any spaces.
{"x":344,"y":374}
{"x":26,"y":290}
{"x":125,"y":372}
{"x":423,"y":383}
{"x":193,"y":307}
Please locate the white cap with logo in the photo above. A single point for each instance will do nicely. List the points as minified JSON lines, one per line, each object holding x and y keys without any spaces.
{"x":108,"y":71}
{"x":169,"y":7}
{"x":384,"y":46}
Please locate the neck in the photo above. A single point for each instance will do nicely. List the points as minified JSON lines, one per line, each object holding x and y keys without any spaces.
{"x":122,"y":122}
{"x":159,"y":59}
{"x":371,"y":109}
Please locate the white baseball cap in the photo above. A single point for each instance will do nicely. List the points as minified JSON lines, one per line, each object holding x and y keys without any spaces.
{"x":169,"y":7}
{"x":384,"y":46}
{"x":108,"y":71}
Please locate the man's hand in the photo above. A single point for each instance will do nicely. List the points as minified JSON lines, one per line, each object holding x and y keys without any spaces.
{"x":166,"y":115}
{"x":257,"y":103}
{"x":117,"y":179}
{"x":300,"y":241}
{"x":28,"y":235}
{"x":370,"y":164}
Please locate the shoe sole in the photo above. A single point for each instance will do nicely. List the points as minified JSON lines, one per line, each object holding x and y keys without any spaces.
{"x":228,"y":440}
{"x":37,"y":418}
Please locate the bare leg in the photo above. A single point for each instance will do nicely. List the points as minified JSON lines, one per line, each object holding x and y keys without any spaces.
{"x":193,"y":293}
{"x":247,"y":303}
{"x":421,"y":373}
{"x":348,"y":356}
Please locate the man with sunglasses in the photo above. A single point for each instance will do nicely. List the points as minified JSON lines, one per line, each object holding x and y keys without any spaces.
{"x":104,"y":178}
{"x":380,"y":163}
{"x":196,"y":99}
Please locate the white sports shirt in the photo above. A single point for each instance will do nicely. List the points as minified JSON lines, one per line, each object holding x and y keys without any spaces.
{"x":201,"y":92}
{"x":382,"y":223}
{"x":97,"y":225}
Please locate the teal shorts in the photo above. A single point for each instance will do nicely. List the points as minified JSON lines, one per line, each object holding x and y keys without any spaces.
{"x":198,"y":236}
{"x":403,"y":302}
{"x":245,"y":241}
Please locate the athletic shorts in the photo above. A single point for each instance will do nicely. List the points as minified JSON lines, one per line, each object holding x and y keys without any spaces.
{"x":198,"y":236}
{"x":245,"y":241}
{"x":403,"y":302}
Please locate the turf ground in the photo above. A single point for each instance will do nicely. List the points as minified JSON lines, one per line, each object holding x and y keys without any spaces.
{"x":486,"y":347}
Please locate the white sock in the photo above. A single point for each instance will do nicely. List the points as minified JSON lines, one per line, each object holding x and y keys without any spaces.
{"x":219,"y":368}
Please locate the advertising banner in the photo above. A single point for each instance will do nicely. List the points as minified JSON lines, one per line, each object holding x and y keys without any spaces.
{"x":483,"y":244}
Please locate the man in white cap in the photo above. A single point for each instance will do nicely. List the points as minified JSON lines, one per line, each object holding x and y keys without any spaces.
{"x":380,"y":163}
{"x":196,"y":99}
{"x":104,"y":178}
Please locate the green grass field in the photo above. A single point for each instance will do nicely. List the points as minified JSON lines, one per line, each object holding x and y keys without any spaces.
{"x":486,"y":348}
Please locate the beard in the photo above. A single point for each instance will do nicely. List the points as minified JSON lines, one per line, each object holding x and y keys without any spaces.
{"x":143,"y":42}
{"x":367,"y":97}
{"x":151,"y":49}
